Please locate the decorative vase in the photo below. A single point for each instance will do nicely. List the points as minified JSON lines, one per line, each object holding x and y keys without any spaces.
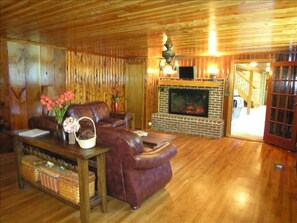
{"x":59,"y":133}
{"x":71,"y":138}
{"x":115,"y":106}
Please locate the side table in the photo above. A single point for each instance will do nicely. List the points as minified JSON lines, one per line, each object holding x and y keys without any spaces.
{"x":49,"y":144}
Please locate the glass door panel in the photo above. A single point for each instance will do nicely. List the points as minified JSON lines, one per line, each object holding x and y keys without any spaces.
{"x":281,"y":120}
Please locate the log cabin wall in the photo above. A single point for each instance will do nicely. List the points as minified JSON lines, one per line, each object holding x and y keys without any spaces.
{"x":29,"y":67}
{"x":223,"y":63}
{"x":151,"y":90}
{"x":4,"y":95}
{"x":93,"y":77}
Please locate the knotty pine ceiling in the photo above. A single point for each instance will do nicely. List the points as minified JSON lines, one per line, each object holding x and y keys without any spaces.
{"x":139,"y":28}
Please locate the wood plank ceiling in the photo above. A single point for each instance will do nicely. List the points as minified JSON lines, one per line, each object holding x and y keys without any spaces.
{"x":139,"y":28}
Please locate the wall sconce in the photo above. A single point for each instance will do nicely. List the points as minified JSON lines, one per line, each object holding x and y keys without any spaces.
{"x":213,"y":72}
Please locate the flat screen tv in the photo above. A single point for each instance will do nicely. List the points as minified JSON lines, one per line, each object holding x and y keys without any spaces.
{"x":187,"y":72}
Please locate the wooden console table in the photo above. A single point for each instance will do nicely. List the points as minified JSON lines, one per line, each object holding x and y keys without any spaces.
{"x":49,"y":144}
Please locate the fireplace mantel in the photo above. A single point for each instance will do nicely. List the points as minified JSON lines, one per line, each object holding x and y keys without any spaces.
{"x":211,"y":126}
{"x":189,"y":83}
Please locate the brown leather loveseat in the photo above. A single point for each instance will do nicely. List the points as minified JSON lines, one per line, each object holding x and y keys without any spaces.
{"x":133,"y":173}
{"x":100,"y":113}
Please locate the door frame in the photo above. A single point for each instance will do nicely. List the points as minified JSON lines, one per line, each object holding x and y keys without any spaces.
{"x":231,"y":88}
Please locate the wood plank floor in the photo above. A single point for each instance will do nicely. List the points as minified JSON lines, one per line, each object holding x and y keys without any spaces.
{"x":214,"y":180}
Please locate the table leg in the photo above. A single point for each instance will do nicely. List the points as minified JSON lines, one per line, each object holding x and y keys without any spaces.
{"x":83,"y":176}
{"x":17,"y":147}
{"x":101,"y":183}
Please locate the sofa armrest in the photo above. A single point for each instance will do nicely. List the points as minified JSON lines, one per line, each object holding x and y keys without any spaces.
{"x":43,"y":122}
{"x":122,"y":115}
{"x":152,"y":158}
{"x":123,"y":142}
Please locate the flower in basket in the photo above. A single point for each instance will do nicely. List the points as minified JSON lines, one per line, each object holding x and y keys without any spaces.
{"x":71,"y":125}
{"x":59,"y":106}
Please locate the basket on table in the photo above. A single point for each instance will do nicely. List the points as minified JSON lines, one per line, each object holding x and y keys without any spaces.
{"x":87,"y":143}
{"x":69,"y":185}
{"x":49,"y":176}
{"x":31,"y":167}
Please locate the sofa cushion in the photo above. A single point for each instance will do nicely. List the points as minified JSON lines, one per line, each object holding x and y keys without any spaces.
{"x":78,"y":111}
{"x":103,"y":124}
{"x":117,"y":122}
{"x":100,"y":111}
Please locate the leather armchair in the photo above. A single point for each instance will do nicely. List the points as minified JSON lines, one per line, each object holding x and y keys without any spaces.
{"x":134,"y":174}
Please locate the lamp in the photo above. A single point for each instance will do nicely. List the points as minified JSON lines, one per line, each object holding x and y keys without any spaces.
{"x":51,"y":92}
{"x":165,"y":63}
{"x":213,"y":72}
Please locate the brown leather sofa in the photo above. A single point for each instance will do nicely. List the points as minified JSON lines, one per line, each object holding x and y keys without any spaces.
{"x":133,"y":173}
{"x":100,"y":113}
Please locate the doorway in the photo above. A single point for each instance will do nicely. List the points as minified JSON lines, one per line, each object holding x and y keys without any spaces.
{"x":249,"y":96}
{"x":135,"y":91}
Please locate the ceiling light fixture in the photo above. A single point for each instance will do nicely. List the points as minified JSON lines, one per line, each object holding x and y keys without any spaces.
{"x":168,"y":55}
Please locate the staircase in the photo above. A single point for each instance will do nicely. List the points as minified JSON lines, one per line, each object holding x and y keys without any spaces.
{"x":243,"y":87}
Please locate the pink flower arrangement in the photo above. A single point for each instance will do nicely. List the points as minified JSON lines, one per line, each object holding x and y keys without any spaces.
{"x":71,"y":125}
{"x":115,"y":94}
{"x":59,"y":106}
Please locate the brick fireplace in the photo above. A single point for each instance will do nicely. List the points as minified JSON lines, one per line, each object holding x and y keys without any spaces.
{"x":211,"y":126}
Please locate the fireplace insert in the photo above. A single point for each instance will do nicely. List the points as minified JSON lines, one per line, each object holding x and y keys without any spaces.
{"x":188,"y":102}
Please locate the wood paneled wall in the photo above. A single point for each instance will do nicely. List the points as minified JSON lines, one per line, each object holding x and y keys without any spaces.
{"x":4,"y":90}
{"x":24,"y":63}
{"x":151,"y":90}
{"x":30,"y":67}
{"x":223,"y":63}
{"x":92,"y":77}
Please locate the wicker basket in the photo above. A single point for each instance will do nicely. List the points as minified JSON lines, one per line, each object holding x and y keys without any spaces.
{"x":87,"y":143}
{"x":69,"y":185}
{"x":49,"y":177}
{"x":31,"y":167}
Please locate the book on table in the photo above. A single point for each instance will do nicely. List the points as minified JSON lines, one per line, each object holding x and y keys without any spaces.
{"x":34,"y":132}
{"x":141,"y":133}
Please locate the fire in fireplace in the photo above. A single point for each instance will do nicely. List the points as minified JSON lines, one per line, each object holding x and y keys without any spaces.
{"x":188,"y":102}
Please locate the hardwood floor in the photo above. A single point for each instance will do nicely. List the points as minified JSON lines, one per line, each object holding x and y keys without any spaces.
{"x":214,"y":180}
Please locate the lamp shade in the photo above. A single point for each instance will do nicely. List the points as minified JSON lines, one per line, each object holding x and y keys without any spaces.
{"x":50,"y":91}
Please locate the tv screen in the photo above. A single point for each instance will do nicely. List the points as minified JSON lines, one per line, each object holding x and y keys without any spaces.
{"x":188,"y":73}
